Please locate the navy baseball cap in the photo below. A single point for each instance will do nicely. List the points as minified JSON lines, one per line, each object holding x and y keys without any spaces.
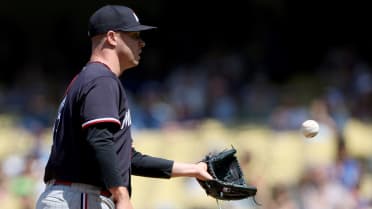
{"x":115,"y":18}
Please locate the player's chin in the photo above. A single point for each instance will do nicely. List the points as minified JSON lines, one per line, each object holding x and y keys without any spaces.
{"x":136,"y":59}
{"x":136,"y":62}
{"x":131,"y":64}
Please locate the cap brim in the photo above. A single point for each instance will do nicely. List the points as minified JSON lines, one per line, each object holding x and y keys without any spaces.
{"x":139,"y":28}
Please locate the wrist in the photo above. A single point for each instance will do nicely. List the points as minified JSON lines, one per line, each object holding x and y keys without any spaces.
{"x":193,"y":170}
{"x":184,"y":169}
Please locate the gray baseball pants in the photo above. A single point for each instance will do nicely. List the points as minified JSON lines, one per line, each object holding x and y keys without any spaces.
{"x":74,"y":196}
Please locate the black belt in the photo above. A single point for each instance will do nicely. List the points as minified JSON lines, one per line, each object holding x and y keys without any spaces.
{"x":105,"y":193}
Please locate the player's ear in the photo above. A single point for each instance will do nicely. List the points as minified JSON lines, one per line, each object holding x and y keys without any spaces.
{"x":112,"y":38}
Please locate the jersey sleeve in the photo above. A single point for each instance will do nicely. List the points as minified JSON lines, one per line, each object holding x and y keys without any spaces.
{"x":148,"y":166}
{"x":100,"y":138}
{"x":100,"y":102}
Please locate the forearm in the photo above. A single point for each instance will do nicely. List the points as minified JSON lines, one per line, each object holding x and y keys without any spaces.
{"x":148,"y":166}
{"x":198,"y":170}
{"x":144,"y":165}
{"x":184,"y":169}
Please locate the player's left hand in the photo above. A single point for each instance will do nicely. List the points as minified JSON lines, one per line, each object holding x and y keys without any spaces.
{"x":202,"y":173}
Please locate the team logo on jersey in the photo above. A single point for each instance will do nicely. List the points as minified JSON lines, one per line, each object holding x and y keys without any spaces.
{"x":127,"y":121}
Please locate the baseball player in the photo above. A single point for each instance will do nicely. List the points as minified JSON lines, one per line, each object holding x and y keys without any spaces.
{"x":92,"y":157}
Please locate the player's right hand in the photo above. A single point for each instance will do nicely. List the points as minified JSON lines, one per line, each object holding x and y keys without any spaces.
{"x":121,"y":198}
{"x":123,"y":204}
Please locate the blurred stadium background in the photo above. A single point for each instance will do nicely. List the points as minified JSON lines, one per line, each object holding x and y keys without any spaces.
{"x":236,"y":74}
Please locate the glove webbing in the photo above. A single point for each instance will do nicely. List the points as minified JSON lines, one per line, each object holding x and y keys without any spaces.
{"x":227,"y":174}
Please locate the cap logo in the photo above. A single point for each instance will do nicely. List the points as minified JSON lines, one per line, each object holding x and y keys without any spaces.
{"x":135,"y":16}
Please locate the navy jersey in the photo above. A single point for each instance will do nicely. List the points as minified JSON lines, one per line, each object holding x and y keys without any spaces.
{"x":95,"y":96}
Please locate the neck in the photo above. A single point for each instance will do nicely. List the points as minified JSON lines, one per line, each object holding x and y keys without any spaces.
{"x":110,"y":61}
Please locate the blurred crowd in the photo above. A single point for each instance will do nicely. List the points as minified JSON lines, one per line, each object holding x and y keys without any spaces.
{"x":223,"y":85}
{"x":227,"y":86}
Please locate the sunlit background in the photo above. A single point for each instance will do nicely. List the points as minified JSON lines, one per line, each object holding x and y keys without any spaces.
{"x":213,"y":75}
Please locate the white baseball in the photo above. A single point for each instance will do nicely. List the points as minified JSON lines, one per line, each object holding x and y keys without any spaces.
{"x":310,"y":128}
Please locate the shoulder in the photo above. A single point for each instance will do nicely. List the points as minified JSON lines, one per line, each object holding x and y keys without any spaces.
{"x":97,"y":73}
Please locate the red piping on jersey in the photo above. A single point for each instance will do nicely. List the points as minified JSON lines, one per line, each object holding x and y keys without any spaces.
{"x":100,"y":120}
{"x":70,"y":84}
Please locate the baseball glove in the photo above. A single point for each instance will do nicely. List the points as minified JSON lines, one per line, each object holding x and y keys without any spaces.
{"x":228,"y":182}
